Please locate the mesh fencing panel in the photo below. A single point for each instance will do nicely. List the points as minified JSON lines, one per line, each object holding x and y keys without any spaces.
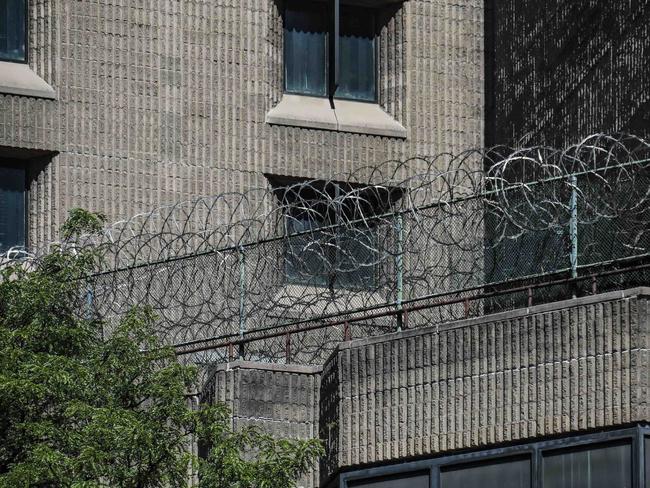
{"x":285,"y":273}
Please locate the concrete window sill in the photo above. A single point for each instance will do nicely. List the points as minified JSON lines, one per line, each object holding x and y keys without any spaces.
{"x":346,"y":116}
{"x":19,"y":79}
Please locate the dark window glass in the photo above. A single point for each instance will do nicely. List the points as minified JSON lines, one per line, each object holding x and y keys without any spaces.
{"x":305,"y":48}
{"x":647,"y":461}
{"x":598,"y":467}
{"x":357,"y":257}
{"x":329,"y":250}
{"x":332,"y":237}
{"x":511,"y":473}
{"x":12,"y":30}
{"x":308,"y":59}
{"x":308,"y":256}
{"x":357,"y":47}
{"x":12,"y":207}
{"x":415,"y":480}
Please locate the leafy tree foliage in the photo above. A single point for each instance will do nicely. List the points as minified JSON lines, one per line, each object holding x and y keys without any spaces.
{"x":83,"y":410}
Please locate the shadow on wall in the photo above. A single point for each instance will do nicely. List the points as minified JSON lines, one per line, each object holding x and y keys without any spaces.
{"x":558,"y":70}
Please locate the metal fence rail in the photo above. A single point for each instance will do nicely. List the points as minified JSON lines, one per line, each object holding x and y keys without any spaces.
{"x":285,"y":272}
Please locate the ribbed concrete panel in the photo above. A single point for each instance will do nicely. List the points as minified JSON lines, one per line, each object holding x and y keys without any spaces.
{"x":281,"y":399}
{"x":566,"y":367}
{"x":159,"y":101}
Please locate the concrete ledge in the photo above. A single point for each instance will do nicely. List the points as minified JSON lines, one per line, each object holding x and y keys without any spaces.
{"x":366,"y":118}
{"x":641,"y":291}
{"x":19,"y":79}
{"x":575,"y":366}
{"x":299,"y":111}
{"x":346,"y":116}
{"x":282,"y":368}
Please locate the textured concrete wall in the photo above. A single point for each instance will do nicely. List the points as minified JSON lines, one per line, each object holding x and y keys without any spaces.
{"x":158,"y":101}
{"x":281,"y":399}
{"x":564,"y":367}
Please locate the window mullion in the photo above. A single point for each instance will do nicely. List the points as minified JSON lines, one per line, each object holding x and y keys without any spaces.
{"x":336,"y":51}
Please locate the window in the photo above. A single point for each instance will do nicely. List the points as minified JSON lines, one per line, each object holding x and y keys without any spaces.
{"x":412,"y":480}
{"x":507,"y":473}
{"x":599,"y":460}
{"x":12,"y":207}
{"x":595,"y":467}
{"x":13,"y":30}
{"x":311,"y":52}
{"x":332,"y":237}
{"x":646,"y":444}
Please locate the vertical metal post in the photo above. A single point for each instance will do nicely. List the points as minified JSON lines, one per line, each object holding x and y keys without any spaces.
{"x":594,"y":285}
{"x":399,"y":269}
{"x":89,"y":304}
{"x":90,"y":298}
{"x":241,"y":257}
{"x":347,"y":332}
{"x":337,"y":57}
{"x":573,"y":225}
{"x":287,"y":348}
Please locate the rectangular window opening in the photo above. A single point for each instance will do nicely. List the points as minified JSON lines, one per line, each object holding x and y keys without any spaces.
{"x":13,"y":30}
{"x":331,"y":235}
{"x":403,"y":480}
{"x":601,"y":466}
{"x":13,"y":196}
{"x":309,"y":54}
{"x":501,"y":473}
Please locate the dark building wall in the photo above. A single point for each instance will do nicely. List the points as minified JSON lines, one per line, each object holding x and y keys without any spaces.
{"x":558,"y":70}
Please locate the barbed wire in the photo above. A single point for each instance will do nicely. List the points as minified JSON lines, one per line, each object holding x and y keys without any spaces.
{"x":301,"y":251}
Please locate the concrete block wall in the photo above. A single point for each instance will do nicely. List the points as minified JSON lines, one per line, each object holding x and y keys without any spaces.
{"x":280,"y":399}
{"x":160,"y":101}
{"x":573,"y":366}
{"x":577,"y":365}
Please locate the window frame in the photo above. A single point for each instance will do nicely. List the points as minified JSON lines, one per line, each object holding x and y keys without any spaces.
{"x":635,"y":436}
{"x":329,"y":52}
{"x":25,"y":59}
{"x":16,"y":164}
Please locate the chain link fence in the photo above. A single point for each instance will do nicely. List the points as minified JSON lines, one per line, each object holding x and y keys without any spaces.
{"x":284,"y":273}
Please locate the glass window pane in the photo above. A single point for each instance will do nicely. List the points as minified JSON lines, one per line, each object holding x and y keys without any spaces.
{"x":600,"y":467}
{"x":305,"y":48}
{"x":12,"y":30}
{"x":357,"y":50}
{"x":647,"y":461}
{"x":357,"y":258}
{"x":308,"y":254}
{"x":415,"y":480}
{"x":12,"y":207}
{"x":502,"y":474}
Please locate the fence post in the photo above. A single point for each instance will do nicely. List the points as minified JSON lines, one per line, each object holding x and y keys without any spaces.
{"x":90,"y":298}
{"x":89,"y":303}
{"x":241,"y":258}
{"x":573,"y":227}
{"x":287,"y":348}
{"x":399,"y":268}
